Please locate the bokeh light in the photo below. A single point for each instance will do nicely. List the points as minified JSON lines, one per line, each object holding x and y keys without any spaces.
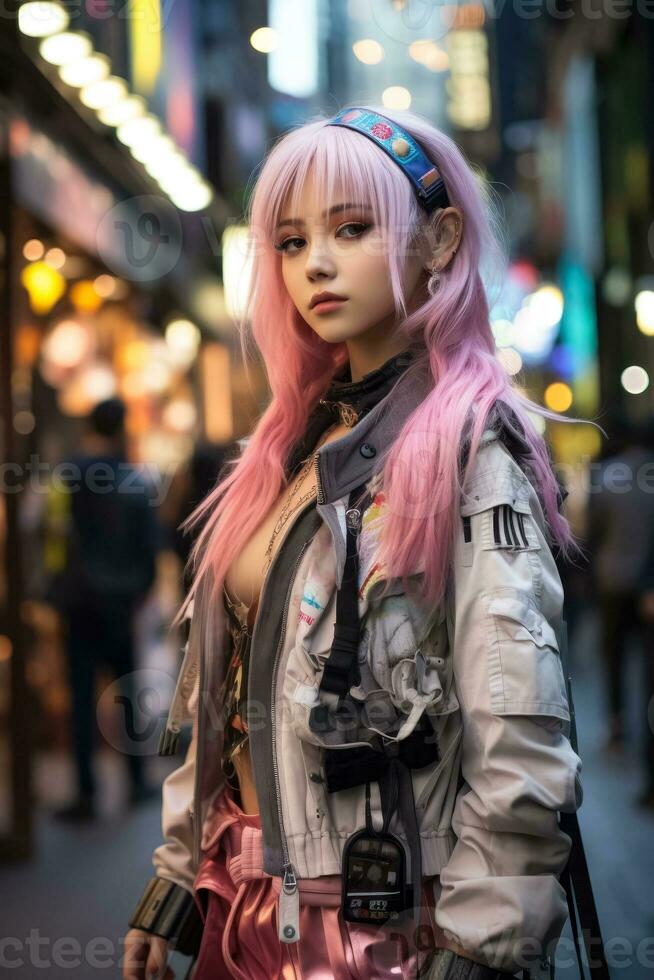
{"x":368,"y":51}
{"x":264,"y":40}
{"x":41,"y":18}
{"x":558,"y":396}
{"x":634,"y":379}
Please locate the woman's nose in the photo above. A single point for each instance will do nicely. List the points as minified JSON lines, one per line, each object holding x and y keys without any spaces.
{"x":319,"y":260}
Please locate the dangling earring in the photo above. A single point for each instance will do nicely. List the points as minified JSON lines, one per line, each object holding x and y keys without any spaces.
{"x":433,"y":282}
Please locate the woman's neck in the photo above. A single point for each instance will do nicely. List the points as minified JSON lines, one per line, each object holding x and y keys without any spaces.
{"x":371,"y":350}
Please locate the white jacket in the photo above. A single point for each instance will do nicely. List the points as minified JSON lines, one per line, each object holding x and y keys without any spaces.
{"x":485,"y":668}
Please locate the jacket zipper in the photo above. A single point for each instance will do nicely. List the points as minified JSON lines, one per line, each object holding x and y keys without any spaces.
{"x":289,"y":898}
{"x":320,"y":493}
{"x":288,"y":909}
{"x":197,"y":806}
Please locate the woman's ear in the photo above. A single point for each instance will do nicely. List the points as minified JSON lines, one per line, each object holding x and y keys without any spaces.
{"x":442,"y":238}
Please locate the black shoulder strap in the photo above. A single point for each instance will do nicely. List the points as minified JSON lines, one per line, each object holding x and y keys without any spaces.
{"x":575,"y":877}
{"x":341,"y":668}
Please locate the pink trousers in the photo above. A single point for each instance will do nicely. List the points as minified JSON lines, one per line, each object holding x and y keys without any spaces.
{"x":238,"y":904}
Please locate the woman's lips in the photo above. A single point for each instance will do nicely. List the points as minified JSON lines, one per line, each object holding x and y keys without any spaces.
{"x":327,"y":305}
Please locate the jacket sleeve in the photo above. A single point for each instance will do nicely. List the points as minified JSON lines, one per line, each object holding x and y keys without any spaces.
{"x":174,"y":858}
{"x":501,"y":900}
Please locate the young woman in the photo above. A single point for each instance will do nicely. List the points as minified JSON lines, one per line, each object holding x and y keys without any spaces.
{"x":388,"y":668}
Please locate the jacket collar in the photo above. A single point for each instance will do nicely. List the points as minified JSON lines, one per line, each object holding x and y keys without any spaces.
{"x":350,"y":461}
{"x":384,"y":400}
{"x":363,"y":394}
{"x":344,"y":394}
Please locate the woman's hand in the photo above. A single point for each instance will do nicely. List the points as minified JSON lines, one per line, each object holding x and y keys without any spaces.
{"x":145,"y":957}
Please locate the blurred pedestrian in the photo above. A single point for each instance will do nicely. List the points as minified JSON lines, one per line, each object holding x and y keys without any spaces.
{"x":621,"y":533}
{"x":107,"y":569}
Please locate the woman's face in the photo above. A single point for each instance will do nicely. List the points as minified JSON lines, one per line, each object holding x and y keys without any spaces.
{"x":338,"y":249}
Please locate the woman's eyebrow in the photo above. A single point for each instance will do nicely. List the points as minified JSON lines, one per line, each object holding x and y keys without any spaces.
{"x":329,"y":211}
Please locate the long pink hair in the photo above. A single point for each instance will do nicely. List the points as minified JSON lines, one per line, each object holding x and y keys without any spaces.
{"x":450,"y":334}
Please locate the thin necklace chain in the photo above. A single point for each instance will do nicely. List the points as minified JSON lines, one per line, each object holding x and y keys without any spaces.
{"x":349,"y":415}
{"x":286,"y":511}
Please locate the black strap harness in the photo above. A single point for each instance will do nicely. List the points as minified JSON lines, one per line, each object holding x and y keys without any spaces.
{"x":387,"y":763}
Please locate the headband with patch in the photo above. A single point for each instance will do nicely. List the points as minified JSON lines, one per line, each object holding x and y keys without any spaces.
{"x":401,"y":147}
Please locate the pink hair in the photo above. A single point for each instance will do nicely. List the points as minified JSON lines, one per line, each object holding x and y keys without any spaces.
{"x":450,"y":333}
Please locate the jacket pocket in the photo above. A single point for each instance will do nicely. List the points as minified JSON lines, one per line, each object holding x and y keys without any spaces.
{"x":524,"y":662}
{"x":408,"y":656}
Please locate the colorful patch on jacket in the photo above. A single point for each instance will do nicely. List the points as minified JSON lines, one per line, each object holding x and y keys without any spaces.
{"x":319,"y":583}
{"x":370,"y":570}
{"x":309,"y":607}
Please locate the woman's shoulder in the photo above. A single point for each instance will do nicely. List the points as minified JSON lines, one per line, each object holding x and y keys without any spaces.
{"x":498,"y":471}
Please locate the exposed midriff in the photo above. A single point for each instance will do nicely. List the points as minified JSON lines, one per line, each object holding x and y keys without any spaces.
{"x":241,"y":591}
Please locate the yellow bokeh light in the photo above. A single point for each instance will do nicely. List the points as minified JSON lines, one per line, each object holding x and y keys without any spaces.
{"x":146,"y":33}
{"x":644,"y":304}
{"x":134,"y":355}
{"x":558,"y":396}
{"x":44,"y":286}
{"x":84,"y":296}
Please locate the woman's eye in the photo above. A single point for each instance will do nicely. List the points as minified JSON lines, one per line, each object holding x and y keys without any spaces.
{"x":356,"y":228}
{"x":283,"y":246}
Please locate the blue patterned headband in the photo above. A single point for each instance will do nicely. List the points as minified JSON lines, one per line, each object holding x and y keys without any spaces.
{"x":401,"y":147}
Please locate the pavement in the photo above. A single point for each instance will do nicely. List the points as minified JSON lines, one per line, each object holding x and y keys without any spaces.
{"x":64,"y":914}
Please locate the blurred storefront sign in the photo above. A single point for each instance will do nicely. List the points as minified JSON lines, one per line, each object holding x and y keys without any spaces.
{"x":469,"y":103}
{"x":97,"y":268}
{"x":54,"y":186}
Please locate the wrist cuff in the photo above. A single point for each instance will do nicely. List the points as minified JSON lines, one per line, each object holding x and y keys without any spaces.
{"x":166,"y":909}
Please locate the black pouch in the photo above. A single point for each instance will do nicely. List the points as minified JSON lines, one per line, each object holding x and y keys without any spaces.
{"x":373,"y":875}
{"x":345,"y":768}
